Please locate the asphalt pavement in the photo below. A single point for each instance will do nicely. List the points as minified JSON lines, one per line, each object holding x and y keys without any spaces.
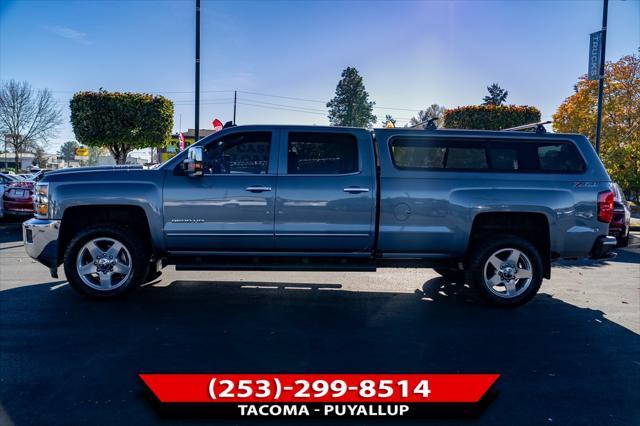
{"x":571,"y":356}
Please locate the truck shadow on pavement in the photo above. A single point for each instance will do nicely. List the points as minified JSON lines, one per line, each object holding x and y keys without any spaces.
{"x":79,"y":358}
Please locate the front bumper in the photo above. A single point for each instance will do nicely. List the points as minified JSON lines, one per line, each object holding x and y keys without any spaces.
{"x":40,"y":238}
{"x":602,"y":249}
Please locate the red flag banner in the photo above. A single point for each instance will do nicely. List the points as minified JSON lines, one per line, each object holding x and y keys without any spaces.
{"x":321,"y":388}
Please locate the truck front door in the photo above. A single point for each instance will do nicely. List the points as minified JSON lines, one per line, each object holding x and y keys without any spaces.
{"x":326,"y":191}
{"x":231,"y":207}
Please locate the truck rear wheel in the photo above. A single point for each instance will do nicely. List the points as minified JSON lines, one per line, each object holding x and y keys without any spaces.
{"x":507,"y":271}
{"x":105,"y":261}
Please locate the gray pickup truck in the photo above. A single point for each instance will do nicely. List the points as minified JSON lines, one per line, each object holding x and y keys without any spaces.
{"x":491,"y":208}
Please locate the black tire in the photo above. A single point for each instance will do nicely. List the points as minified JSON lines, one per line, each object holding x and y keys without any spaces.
{"x":624,"y":241}
{"x":480,"y":257}
{"x":133,"y":243}
{"x":451,"y":274}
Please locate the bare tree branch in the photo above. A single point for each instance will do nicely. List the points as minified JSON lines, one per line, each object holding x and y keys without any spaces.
{"x":28,"y":119}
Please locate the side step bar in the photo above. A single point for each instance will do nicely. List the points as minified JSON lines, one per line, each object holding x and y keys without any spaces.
{"x":274,"y":267}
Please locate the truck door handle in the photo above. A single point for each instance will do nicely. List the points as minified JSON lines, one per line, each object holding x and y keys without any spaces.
{"x":355,"y":190}
{"x":258,"y":188}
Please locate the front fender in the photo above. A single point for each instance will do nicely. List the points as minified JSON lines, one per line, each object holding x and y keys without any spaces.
{"x":146,"y":195}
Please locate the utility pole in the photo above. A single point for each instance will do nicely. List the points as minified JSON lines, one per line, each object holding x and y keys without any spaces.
{"x":235,"y":98}
{"x":197,"y":126}
{"x":605,"y":9}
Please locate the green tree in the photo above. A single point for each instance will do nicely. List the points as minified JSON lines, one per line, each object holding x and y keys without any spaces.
{"x":424,"y":115}
{"x":351,"y":106}
{"x":68,"y":150}
{"x":388,"y":119}
{"x":121,"y":122}
{"x":620,"y":136}
{"x":497,"y":95}
{"x":39,"y":158}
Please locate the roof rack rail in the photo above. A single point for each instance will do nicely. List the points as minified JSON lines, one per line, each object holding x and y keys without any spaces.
{"x":539,"y":127}
{"x":430,"y":124}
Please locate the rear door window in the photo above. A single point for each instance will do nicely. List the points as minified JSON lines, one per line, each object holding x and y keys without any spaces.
{"x":322,"y":153}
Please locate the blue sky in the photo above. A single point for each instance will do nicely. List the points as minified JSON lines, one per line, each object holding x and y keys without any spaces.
{"x":411,"y":54}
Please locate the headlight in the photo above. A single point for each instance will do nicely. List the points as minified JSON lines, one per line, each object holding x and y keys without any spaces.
{"x":41,"y":200}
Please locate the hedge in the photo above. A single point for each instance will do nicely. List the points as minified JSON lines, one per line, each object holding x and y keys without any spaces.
{"x":490,"y":117}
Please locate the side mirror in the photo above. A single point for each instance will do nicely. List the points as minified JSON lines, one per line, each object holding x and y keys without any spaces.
{"x":193,"y":165}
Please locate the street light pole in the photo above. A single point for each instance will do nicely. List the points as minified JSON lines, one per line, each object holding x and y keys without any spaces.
{"x":605,"y":9}
{"x":197,"y":126}
{"x":235,"y":99}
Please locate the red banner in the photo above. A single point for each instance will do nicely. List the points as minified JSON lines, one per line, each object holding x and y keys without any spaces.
{"x":321,"y":388}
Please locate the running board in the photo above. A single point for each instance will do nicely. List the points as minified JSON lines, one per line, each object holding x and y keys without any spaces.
{"x":275,"y":267}
{"x":270,"y":263}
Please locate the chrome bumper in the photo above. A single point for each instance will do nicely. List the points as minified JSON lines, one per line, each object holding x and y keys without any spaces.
{"x":41,"y":240}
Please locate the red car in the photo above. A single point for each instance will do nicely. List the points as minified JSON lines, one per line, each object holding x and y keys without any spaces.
{"x":17,"y":198}
{"x":621,"y":222}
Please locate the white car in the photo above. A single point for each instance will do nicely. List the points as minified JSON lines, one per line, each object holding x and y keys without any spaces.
{"x":5,"y":179}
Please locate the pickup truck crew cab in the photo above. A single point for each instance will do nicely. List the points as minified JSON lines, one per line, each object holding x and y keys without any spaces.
{"x":491,"y":208}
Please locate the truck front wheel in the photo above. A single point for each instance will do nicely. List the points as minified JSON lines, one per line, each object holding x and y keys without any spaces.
{"x":507,"y":271}
{"x":105,"y":261}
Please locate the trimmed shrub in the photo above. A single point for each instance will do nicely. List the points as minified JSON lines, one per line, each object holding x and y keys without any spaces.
{"x":121,"y":122}
{"x":490,"y":117}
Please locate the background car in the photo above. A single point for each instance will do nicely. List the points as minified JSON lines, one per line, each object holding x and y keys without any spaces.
{"x":5,"y":179}
{"x":17,"y":198}
{"x":621,"y":222}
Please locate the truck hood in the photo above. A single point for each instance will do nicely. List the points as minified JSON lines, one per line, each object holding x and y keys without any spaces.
{"x":95,"y":168}
{"x":100,"y":173}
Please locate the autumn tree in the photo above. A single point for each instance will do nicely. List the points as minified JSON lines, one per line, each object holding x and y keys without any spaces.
{"x":497,"y":95}
{"x":620,"y":136}
{"x":121,"y":122}
{"x":351,"y":105}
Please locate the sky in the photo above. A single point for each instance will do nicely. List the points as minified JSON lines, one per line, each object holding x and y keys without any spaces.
{"x":285,"y":57}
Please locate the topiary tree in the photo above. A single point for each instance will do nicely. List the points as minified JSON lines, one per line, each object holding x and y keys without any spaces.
{"x":490,"y":117}
{"x":121,"y":122}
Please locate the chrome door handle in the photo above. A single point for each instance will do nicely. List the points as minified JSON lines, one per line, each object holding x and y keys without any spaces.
{"x":355,"y":190}
{"x":258,"y":188}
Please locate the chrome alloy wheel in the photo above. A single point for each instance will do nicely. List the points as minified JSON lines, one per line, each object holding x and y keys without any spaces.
{"x":508,"y":273}
{"x":104,"y":264}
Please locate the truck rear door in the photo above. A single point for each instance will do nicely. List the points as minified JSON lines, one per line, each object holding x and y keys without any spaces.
{"x":325,"y":200}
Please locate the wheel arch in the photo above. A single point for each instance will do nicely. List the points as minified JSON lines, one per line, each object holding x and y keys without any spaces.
{"x":76,"y":218}
{"x":533,"y":226}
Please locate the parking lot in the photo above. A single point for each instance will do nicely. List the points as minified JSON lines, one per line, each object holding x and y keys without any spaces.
{"x":572,"y":356}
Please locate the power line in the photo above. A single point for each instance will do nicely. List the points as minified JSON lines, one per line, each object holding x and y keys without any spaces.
{"x":281,"y":108}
